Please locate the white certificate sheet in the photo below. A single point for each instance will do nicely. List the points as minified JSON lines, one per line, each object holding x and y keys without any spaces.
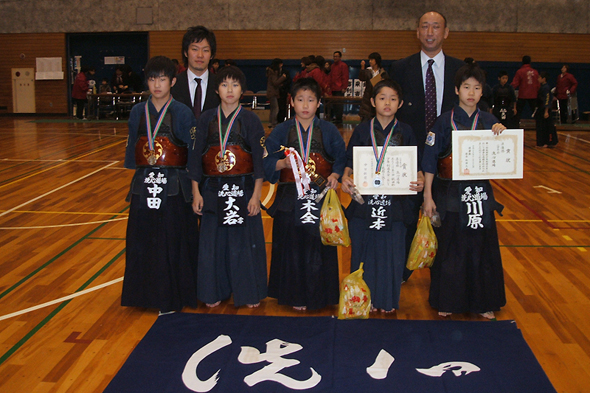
{"x":400,"y":167}
{"x":480,"y":155}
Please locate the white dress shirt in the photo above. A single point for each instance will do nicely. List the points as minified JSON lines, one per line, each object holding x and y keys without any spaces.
{"x":192,"y":85}
{"x":438,"y":68}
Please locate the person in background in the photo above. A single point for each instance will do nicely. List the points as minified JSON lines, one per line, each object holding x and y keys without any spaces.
{"x":566,"y":87}
{"x":283,"y":95}
{"x":214,"y":66}
{"x":104,"y":86}
{"x":546,"y":133}
{"x":504,"y":99}
{"x":274,"y":80}
{"x":526,"y":81}
{"x":338,"y":84}
{"x":371,"y":76}
{"x":80,"y":90}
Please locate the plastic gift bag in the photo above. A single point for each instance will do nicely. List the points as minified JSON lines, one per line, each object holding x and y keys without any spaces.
{"x":355,"y":297}
{"x":333,"y":226}
{"x":424,"y":246}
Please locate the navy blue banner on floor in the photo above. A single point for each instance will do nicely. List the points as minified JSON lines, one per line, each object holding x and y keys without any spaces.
{"x":226,"y":353}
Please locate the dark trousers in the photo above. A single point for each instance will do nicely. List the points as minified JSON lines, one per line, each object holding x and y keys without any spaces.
{"x":80,"y":104}
{"x":338,"y":109}
{"x":520,"y":103}
{"x":563,"y":110}
{"x":546,"y":133}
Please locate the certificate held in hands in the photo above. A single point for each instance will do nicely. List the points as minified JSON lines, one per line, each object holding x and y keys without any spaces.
{"x":399,"y":168}
{"x":481,"y":155}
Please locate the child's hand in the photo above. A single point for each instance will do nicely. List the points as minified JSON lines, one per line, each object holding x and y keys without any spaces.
{"x":417,"y":185}
{"x":198,"y":204}
{"x":429,"y":207}
{"x":254,"y":206}
{"x":333,"y":181}
{"x":347,"y":184}
{"x":498,"y":128}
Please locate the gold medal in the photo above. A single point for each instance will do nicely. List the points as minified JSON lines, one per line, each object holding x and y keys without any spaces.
{"x":226,"y":161}
{"x":152,"y":158}
{"x":221,"y":167}
{"x":152,"y":155}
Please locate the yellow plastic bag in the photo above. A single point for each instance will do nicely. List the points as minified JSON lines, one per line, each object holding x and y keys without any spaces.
{"x":333,"y":226}
{"x":355,"y":297}
{"x":424,"y":246}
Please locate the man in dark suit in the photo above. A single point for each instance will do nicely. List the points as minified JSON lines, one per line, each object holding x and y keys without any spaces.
{"x":412,"y":74}
{"x":198,"y":48}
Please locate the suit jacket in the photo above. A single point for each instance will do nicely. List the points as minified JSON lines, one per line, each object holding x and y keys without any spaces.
{"x":408,"y":73}
{"x":181,"y":93}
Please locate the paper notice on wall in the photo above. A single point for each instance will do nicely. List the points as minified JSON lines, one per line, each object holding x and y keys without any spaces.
{"x":49,"y":68}
{"x":114,"y":60}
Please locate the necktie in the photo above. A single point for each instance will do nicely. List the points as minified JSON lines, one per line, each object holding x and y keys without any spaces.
{"x":430,"y":97}
{"x":197,"y":101}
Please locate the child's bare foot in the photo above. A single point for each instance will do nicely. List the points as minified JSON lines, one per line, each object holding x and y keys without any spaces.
{"x":488,"y":315}
{"x":299,"y":308}
{"x":253,"y":305}
{"x":388,"y":312}
{"x":211,"y":305}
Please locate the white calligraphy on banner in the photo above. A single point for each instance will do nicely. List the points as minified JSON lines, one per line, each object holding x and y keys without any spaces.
{"x":276,"y":349}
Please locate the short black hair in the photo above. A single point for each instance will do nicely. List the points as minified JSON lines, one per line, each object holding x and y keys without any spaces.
{"x":340,"y":53}
{"x":214,"y":61}
{"x":230,"y":72}
{"x":526,"y":59}
{"x":306,"y":84}
{"x":158,"y":66}
{"x":388,"y":83}
{"x":377,"y":57}
{"x":470,"y":71}
{"x":320,"y":61}
{"x":567,"y":67}
{"x":198,"y":34}
{"x":544,"y":75}
{"x":276,"y":64}
{"x":502,"y":73}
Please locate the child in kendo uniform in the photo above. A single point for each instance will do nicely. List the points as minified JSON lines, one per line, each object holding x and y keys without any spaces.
{"x":378,"y":227}
{"x":303,"y":271}
{"x":225,"y":166}
{"x":467,"y":274}
{"x":162,"y":230}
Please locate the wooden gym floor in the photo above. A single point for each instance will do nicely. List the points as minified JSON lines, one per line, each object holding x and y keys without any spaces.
{"x":62,"y":255}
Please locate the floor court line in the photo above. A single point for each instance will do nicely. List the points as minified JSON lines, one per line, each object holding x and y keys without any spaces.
{"x":66,"y":225}
{"x":62,"y":299}
{"x":56,"y":189}
{"x":62,"y":163}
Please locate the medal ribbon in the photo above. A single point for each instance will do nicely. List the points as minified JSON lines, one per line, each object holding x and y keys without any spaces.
{"x":454,"y":125}
{"x":304,"y":151}
{"x":223,"y":140}
{"x":152,"y":137}
{"x":302,"y":179}
{"x":380,"y":158}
